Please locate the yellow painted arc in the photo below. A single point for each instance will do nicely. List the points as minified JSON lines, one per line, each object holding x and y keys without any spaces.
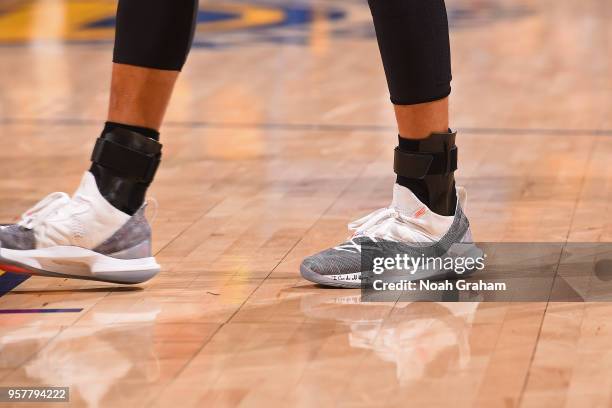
{"x":19,"y":25}
{"x":69,"y":20}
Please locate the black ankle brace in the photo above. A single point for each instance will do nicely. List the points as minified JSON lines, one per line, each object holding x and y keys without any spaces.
{"x":124,"y":164}
{"x":426,"y":167}
{"x":144,"y":131}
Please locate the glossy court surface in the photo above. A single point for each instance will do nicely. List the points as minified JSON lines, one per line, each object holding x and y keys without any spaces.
{"x":279,"y":134}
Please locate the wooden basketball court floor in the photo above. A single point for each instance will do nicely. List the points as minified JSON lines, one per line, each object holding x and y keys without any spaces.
{"x":277,"y":137}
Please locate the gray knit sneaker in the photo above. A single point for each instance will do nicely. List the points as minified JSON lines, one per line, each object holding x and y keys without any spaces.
{"x":406,"y":227}
{"x":81,"y":237}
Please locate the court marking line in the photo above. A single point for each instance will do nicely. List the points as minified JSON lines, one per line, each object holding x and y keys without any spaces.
{"x":9,"y":281}
{"x":28,"y":311}
{"x":317,"y":127}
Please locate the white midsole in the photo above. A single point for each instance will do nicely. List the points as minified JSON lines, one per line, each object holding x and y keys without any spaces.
{"x":76,"y":261}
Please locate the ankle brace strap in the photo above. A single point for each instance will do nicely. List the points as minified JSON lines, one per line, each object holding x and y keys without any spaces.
{"x":417,"y":165}
{"x":129,"y":163}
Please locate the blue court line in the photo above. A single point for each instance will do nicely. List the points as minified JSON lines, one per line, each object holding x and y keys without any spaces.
{"x":9,"y":281}
{"x":22,"y":311}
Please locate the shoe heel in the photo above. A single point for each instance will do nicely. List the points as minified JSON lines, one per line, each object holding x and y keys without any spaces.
{"x":127,"y":271}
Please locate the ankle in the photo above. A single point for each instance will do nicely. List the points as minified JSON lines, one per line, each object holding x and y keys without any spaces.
{"x":124,"y":162}
{"x":147,"y":132}
{"x":426,"y":167}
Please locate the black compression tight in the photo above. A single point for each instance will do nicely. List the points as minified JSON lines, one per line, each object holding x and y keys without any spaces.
{"x":155,"y":33}
{"x":413,"y":40}
{"x":412,"y":37}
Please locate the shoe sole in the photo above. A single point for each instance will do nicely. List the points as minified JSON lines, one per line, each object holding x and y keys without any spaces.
{"x":349,"y":281}
{"x":78,"y":263}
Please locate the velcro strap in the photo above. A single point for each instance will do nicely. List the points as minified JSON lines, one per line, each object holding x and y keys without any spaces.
{"x":419,"y":165}
{"x":128,"y":162}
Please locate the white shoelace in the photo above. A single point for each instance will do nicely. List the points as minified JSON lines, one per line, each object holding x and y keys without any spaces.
{"x":381,"y":224}
{"x":43,"y":209}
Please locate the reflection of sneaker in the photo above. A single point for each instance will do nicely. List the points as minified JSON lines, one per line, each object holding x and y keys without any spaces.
{"x":81,"y":237}
{"x":407,"y":225}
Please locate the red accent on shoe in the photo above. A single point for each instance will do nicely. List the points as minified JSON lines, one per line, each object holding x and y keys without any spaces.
{"x":420,"y":212}
{"x":14,"y":269}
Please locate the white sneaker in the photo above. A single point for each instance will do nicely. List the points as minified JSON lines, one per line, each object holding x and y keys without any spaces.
{"x":407,"y":225}
{"x":81,"y":237}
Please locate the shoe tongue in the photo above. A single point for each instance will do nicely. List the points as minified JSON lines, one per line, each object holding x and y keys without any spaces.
{"x":87,"y":189}
{"x":88,"y":193}
{"x":405,"y":201}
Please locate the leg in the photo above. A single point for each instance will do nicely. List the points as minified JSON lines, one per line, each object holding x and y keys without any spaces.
{"x":140,"y":96}
{"x":413,"y":41}
{"x":153,"y":38}
{"x":421,"y":120}
{"x":100,"y":232}
{"x":414,"y":45}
